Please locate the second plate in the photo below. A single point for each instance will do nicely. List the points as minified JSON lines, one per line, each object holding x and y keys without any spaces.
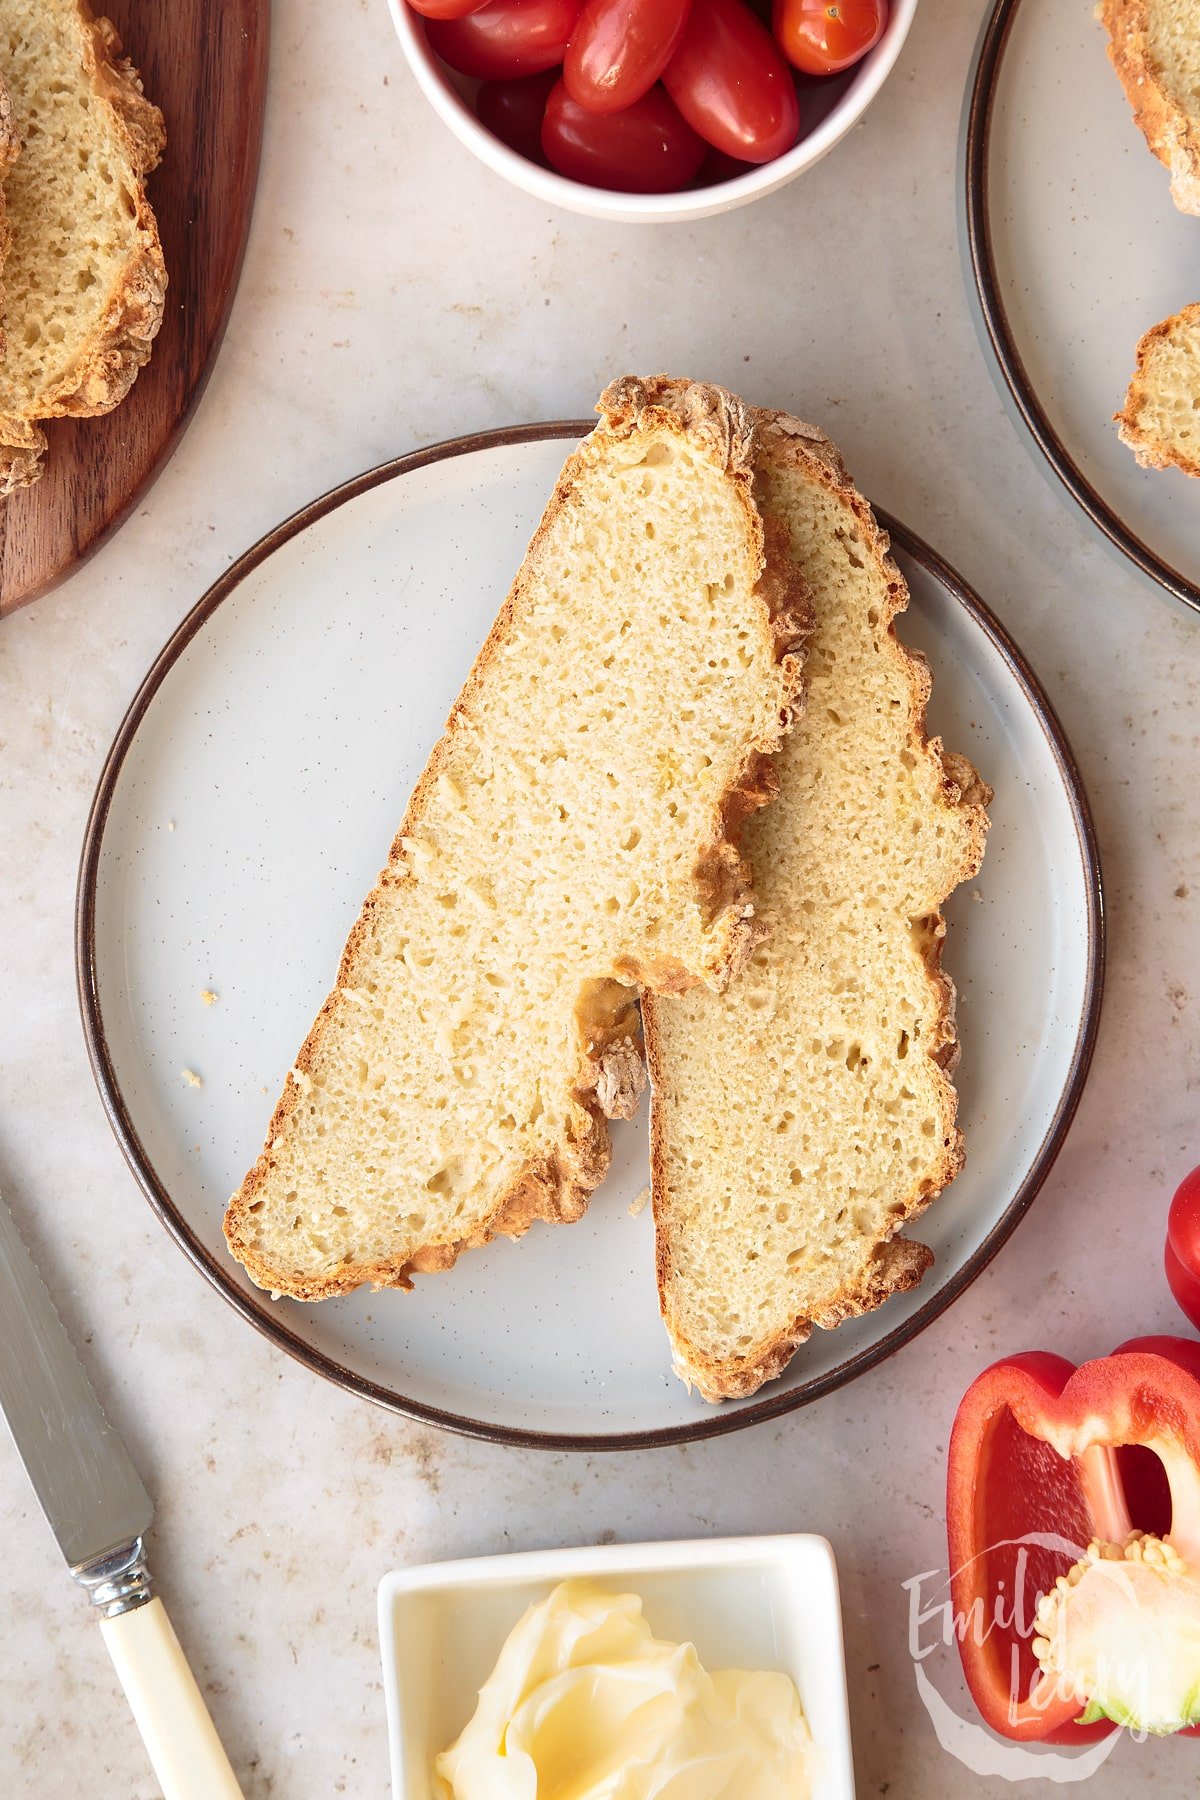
{"x":1076,"y":250}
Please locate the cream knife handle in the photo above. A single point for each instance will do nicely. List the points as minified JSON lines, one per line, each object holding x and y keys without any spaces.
{"x":168,"y":1706}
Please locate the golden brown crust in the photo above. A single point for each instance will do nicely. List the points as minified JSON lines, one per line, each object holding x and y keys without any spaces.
{"x":22,"y":446}
{"x":120,"y":343}
{"x":557,"y":1187}
{"x":893,"y":1268}
{"x":896,"y":1264}
{"x":10,"y":137}
{"x":10,"y":147}
{"x":1171,"y":132}
{"x":1153,"y":452}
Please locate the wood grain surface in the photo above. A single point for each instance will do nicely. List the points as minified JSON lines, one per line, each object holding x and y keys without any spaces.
{"x":204,"y":62}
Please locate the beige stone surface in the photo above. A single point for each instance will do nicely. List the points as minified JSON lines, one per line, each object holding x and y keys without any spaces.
{"x":395,"y":293}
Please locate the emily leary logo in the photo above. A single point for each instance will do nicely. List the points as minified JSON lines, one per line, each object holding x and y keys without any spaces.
{"x":935,"y":1630}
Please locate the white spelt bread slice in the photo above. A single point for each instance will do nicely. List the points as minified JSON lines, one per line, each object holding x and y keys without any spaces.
{"x":572,"y":834}
{"x":1160,"y":420}
{"x":1154,"y":45}
{"x":801,"y":1118}
{"x":85,"y":278}
{"x":10,"y":147}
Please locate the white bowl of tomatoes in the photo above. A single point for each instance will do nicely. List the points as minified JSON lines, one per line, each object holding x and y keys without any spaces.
{"x":651,"y":109}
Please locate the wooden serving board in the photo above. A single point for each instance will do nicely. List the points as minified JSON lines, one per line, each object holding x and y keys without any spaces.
{"x":205,"y":65}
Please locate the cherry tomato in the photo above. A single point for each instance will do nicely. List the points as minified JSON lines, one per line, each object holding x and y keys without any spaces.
{"x":507,"y":38}
{"x":823,"y":37}
{"x":446,"y":9}
{"x":731,"y":84}
{"x":512,"y":111}
{"x":644,"y":149}
{"x":718,"y":167}
{"x":1183,"y":1246}
{"x":620,"y":48}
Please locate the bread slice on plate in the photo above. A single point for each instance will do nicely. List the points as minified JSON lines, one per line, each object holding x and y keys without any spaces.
{"x":1154,"y":46}
{"x":1160,"y":420}
{"x":572,"y":836}
{"x":84,"y":279}
{"x":800,"y":1119}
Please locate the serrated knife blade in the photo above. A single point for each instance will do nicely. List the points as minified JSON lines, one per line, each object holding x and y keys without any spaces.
{"x":98,"y":1510}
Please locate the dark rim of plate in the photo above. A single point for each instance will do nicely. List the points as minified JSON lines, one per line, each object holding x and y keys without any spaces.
{"x":711,"y":1422}
{"x":977,"y":143}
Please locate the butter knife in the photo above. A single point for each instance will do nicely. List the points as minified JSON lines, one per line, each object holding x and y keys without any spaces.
{"x":99,"y":1512}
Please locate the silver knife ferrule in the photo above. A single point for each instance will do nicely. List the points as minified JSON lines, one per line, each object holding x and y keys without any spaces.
{"x":117,"y":1581}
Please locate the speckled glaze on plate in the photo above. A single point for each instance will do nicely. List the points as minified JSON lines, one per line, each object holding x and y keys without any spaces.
{"x":242,"y":814}
{"x":1076,"y":249}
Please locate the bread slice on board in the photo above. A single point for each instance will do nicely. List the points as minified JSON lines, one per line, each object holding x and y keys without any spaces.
{"x":10,"y":147}
{"x":573,"y":835}
{"x":800,"y":1119}
{"x":1160,"y":420}
{"x":1154,"y":45}
{"x":84,"y":279}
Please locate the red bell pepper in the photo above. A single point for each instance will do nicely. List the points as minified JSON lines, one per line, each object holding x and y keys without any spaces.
{"x":1183,"y":1246}
{"x":1063,"y":1455}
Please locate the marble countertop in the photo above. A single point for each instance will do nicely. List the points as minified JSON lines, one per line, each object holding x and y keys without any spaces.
{"x":395,"y":293}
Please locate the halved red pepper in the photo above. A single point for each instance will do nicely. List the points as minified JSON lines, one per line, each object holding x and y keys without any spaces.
{"x":1182,"y":1256}
{"x":1065,"y":1455}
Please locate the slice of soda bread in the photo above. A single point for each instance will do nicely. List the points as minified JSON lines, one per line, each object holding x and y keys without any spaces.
{"x":10,"y":147}
{"x":1154,"y":45}
{"x":1160,"y":420}
{"x":800,"y":1119}
{"x":84,"y":278}
{"x":573,"y":835}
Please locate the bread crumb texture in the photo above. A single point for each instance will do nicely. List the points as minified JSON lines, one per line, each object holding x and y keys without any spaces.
{"x":569,"y":838}
{"x":84,"y":278}
{"x":802,"y":1117}
{"x":1154,"y":46}
{"x":1160,"y":420}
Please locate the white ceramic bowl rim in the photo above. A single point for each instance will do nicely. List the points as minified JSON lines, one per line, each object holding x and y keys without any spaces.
{"x":688,"y":203}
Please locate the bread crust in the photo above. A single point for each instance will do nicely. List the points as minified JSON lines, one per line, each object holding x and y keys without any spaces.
{"x":1154,"y":452}
{"x":119,"y":346}
{"x":10,"y":149}
{"x":895,"y":1264}
{"x":1171,"y":132}
{"x":556,"y":1187}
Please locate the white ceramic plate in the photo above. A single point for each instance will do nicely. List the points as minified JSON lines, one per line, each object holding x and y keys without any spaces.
{"x":1076,"y":251}
{"x":243,"y":813}
{"x":746,"y":1603}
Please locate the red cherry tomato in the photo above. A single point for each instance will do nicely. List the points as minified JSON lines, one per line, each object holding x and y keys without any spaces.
{"x":446,"y":9}
{"x":718,"y":167}
{"x":644,"y":149}
{"x":512,"y":111}
{"x":507,"y":38}
{"x":731,"y":84}
{"x":823,"y":37}
{"x":620,"y":48}
{"x":1183,"y":1246}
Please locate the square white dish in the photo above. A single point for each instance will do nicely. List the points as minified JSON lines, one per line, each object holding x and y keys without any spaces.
{"x":751,"y":1603}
